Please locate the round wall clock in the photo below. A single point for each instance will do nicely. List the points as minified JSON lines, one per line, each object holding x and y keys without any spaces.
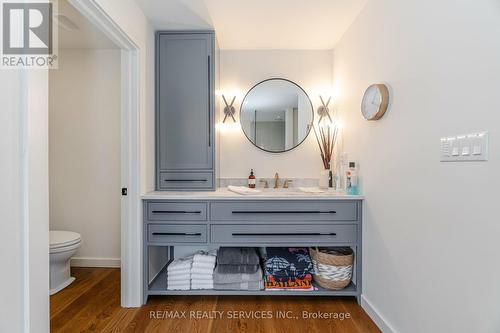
{"x":375,"y":101}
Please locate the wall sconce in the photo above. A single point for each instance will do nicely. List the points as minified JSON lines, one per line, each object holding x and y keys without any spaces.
{"x":324,"y":111}
{"x":229,"y":109}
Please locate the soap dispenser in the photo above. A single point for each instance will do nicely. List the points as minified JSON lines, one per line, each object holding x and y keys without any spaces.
{"x":251,"y":180}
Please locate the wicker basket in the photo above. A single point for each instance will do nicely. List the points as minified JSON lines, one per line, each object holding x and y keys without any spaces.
{"x":332,"y":266}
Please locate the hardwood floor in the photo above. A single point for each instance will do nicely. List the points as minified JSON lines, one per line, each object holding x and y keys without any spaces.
{"x":92,"y":304}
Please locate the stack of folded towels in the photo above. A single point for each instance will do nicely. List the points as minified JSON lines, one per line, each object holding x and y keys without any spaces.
{"x":179,"y":274}
{"x":238,"y":269}
{"x":288,"y":268}
{"x":202,"y":270}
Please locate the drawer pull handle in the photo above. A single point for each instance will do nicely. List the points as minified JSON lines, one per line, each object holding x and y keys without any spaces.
{"x":185,"y":180}
{"x":237,"y":234}
{"x":176,"y":233}
{"x":176,"y":212}
{"x":285,"y":212}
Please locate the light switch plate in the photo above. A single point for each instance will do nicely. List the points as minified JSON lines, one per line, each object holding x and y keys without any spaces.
{"x":469,"y":147}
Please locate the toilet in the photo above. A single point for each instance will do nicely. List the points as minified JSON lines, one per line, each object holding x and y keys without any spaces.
{"x":63,"y":245}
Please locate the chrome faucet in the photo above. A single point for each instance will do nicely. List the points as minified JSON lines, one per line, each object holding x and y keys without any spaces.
{"x":276,"y":180}
{"x":266,"y":184}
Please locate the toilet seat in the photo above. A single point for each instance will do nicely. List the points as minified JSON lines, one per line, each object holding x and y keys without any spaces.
{"x":60,"y":239}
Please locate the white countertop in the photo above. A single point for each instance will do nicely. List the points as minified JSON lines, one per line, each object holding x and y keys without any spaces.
{"x":225,"y":194}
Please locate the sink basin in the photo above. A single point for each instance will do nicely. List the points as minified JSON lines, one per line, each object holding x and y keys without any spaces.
{"x":281,"y":191}
{"x":291,"y":191}
{"x":276,"y":191}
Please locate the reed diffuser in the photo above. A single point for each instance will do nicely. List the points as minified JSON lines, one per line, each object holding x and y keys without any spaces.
{"x":326,"y":139}
{"x":326,"y":136}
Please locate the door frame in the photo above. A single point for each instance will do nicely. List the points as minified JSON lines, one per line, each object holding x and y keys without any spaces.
{"x":131,"y":208}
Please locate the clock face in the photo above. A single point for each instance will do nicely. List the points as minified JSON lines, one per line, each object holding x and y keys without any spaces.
{"x":374,"y":102}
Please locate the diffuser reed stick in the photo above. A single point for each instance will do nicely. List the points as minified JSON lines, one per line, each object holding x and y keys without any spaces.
{"x":326,"y":137}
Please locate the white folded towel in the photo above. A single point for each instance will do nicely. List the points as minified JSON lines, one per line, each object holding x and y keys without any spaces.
{"x":203,"y":265}
{"x":205,"y":257}
{"x":242,"y":190}
{"x":180,"y":264}
{"x":203,"y":281}
{"x":203,"y":277}
{"x":197,"y":285}
{"x":202,"y":270}
{"x":179,"y":271}
{"x":179,"y":287}
{"x":200,"y":288}
{"x":176,"y":283}
{"x":179,"y":277}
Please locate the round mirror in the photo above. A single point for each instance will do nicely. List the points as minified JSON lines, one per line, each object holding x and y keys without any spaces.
{"x":276,"y":115}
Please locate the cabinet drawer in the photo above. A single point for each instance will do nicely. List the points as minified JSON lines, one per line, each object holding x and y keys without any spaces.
{"x":186,"y":180}
{"x":283,"y":234}
{"x":284,"y":211}
{"x":177,"y":211}
{"x":177,"y":233}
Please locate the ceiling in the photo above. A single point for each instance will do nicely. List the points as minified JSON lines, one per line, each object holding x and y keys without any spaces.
{"x":76,"y":32}
{"x":259,"y":24}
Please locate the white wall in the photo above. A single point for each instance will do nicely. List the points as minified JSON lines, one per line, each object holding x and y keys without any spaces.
{"x":36,"y":200}
{"x":24,"y":296}
{"x":85,"y":144}
{"x":11,"y":210}
{"x":240,"y":71}
{"x":25,"y":305}
{"x":130,"y":18}
{"x":431,"y":229}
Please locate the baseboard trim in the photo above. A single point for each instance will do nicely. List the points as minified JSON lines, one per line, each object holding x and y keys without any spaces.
{"x":375,"y":315}
{"x":95,"y":262}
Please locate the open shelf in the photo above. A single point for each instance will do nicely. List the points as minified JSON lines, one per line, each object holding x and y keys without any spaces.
{"x":159,"y":287}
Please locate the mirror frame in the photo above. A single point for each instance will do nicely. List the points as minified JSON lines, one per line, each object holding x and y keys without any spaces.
{"x":308,"y":98}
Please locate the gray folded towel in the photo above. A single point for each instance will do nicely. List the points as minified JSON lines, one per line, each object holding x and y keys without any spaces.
{"x":236,"y":269}
{"x":237,"y":256}
{"x":221,"y":278}
{"x":252,"y":285}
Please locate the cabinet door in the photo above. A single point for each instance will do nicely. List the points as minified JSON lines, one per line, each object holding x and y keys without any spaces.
{"x":184,"y":119}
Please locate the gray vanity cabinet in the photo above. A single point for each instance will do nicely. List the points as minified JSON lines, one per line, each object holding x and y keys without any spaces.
{"x":210,"y":221}
{"x":185,"y":110}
